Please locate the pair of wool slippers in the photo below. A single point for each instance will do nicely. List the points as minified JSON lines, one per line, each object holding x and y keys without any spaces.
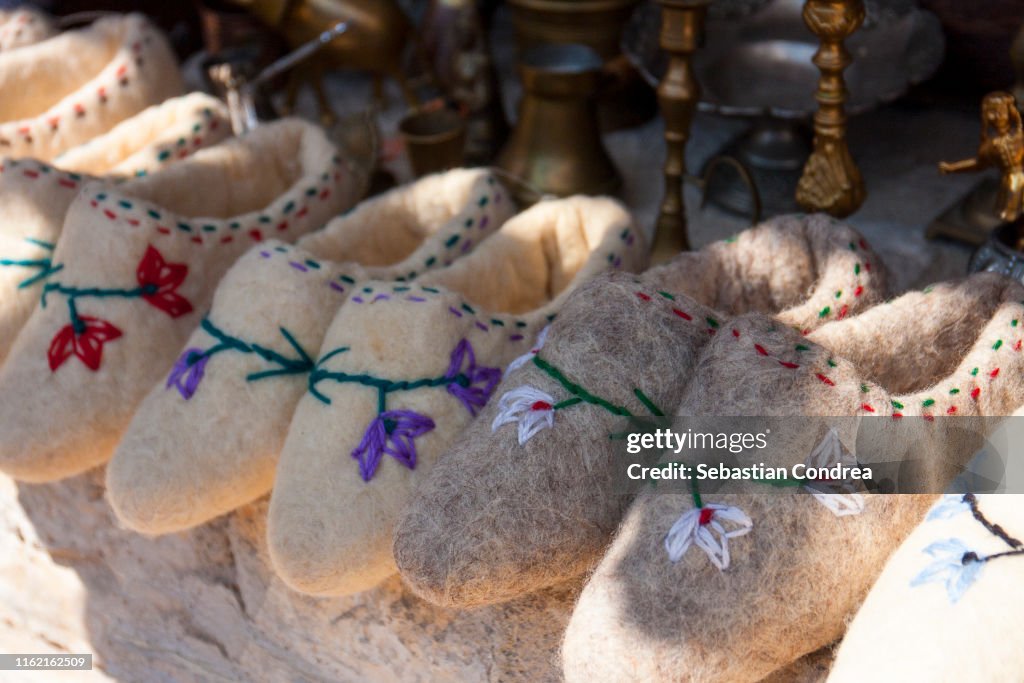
{"x":736,"y":587}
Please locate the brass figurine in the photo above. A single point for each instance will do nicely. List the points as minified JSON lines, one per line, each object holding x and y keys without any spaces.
{"x":1002,"y":147}
{"x":682,"y":25}
{"x":831,"y":181}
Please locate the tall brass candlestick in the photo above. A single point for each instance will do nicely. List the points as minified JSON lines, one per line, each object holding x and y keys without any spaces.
{"x":831,"y":181}
{"x":682,"y":25}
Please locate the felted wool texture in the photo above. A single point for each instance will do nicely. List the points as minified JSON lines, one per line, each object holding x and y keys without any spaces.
{"x":796,"y":578}
{"x":807,"y":269}
{"x":34,"y":196}
{"x":332,"y":513}
{"x":149,"y":141}
{"x":909,"y":629}
{"x":24,"y":26}
{"x":192,"y":453}
{"x":498,"y":518}
{"x":139,"y":265}
{"x":80,"y":84}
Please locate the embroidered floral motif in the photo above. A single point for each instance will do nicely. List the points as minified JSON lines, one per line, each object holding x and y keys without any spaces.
{"x":472,"y":385}
{"x":159,"y":281}
{"x":188,"y":372}
{"x":528,"y":356}
{"x":530,"y":408}
{"x":394,"y":431}
{"x":86,"y":335}
{"x":705,"y":527}
{"x":84,"y":338}
{"x":954,"y":564}
{"x":839,"y":497}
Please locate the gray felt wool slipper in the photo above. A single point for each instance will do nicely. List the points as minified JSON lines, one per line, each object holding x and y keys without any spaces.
{"x":137,"y":264}
{"x":207,"y":437}
{"x":404,"y":368}
{"x":525,"y":497}
{"x":731,"y":586}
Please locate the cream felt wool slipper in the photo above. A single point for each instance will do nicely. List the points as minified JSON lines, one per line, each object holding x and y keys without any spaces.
{"x":34,"y":196}
{"x":729,"y":587}
{"x":482,"y":527}
{"x":403,"y":369}
{"x":24,"y":26}
{"x":137,"y":265}
{"x":947,"y":606}
{"x":149,"y":141}
{"x":80,"y":84}
{"x":236,"y":383}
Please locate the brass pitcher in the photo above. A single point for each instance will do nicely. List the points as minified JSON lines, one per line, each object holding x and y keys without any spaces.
{"x":556,"y":146}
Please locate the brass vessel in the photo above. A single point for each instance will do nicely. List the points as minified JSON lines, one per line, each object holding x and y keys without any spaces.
{"x":682,"y":25}
{"x":831,"y":181}
{"x":556,"y":145}
{"x":378,"y":33}
{"x":435,"y":140}
{"x":624,"y":99}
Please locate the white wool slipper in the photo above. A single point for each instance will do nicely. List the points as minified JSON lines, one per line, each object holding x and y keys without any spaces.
{"x":947,"y":606}
{"x":481,"y":529}
{"x":34,"y":196}
{"x":145,"y":143}
{"x":730,"y":587}
{"x":207,"y":439}
{"x":403,"y":369}
{"x":80,"y":84}
{"x":138,"y":264}
{"x":24,"y":26}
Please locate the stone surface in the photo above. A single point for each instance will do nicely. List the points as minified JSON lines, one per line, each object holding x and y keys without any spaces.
{"x":203,"y":606}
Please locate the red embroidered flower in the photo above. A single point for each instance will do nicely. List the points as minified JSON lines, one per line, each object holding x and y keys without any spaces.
{"x":159,"y":280}
{"x":87,"y":343}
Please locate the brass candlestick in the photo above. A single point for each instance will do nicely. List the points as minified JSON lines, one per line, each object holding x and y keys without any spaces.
{"x":682,"y":25}
{"x":831,"y":181}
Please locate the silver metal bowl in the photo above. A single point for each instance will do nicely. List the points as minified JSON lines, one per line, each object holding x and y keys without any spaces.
{"x":760,"y":64}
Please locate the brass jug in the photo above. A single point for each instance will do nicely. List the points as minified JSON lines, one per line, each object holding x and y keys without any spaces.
{"x":556,"y":146}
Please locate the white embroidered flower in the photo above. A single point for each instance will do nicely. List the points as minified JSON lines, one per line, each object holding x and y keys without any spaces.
{"x":528,"y":356}
{"x":828,"y":453}
{"x":531,"y":408}
{"x":705,"y":527}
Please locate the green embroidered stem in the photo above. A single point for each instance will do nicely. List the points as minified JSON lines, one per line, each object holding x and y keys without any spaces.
{"x":695,"y":493}
{"x":577,"y":390}
{"x":657,"y":412}
{"x":44,"y":265}
{"x":383,"y":386}
{"x":286,"y":366}
{"x":73,"y":293}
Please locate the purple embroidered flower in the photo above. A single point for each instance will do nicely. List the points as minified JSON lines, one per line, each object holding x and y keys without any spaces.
{"x":473,"y":385}
{"x":188,"y":372}
{"x":392,"y":432}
